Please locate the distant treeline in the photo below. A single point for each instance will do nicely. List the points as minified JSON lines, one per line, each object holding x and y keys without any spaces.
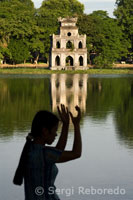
{"x":25,"y":31}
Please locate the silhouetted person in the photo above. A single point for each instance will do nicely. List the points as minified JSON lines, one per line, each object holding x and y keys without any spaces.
{"x":37,"y":162}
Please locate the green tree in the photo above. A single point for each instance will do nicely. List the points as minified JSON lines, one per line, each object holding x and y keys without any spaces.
{"x":104,"y":37}
{"x":124,"y":15}
{"x":17,"y":22}
{"x":16,"y":19}
{"x":1,"y":57}
{"x":19,"y":51}
{"x":28,"y":3}
{"x":36,"y":43}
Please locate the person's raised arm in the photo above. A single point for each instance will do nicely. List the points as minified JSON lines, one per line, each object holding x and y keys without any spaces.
{"x":77,"y":144}
{"x":64,"y":115}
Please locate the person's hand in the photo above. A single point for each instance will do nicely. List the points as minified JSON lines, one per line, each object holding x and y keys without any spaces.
{"x":76,"y":120}
{"x":64,"y":114}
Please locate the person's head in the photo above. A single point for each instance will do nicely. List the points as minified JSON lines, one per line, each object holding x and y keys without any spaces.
{"x":44,"y":126}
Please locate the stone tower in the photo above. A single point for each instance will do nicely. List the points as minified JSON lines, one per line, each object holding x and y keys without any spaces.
{"x":68,"y":50}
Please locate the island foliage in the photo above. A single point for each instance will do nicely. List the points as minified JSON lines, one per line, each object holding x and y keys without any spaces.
{"x":25,"y":31}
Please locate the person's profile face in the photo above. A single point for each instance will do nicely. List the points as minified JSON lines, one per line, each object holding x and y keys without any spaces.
{"x":51,"y":135}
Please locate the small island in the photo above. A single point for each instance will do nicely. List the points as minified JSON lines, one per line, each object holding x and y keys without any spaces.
{"x":63,"y":39}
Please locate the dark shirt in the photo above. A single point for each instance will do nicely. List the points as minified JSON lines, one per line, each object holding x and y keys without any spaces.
{"x":41,"y":172}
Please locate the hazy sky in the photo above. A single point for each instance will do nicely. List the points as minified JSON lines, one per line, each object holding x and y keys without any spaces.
{"x":91,"y":5}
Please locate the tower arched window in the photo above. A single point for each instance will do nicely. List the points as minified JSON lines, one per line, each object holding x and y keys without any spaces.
{"x":69,"y":61}
{"x":80,"y":45}
{"x":80,"y":61}
{"x":58,"y":45}
{"x":69,"y":45}
{"x":57,"y":61}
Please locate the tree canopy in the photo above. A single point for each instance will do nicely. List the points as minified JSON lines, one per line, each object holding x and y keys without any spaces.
{"x":104,"y":37}
{"x":18,"y":22}
{"x":108,"y":39}
{"x":124,"y":15}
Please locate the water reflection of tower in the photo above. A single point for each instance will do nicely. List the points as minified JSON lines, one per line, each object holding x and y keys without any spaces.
{"x":70,"y":90}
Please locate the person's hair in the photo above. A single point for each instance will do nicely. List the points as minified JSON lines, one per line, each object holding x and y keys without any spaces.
{"x":43,"y":119}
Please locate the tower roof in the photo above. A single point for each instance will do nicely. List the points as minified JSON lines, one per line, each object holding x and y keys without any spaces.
{"x":68,"y":20}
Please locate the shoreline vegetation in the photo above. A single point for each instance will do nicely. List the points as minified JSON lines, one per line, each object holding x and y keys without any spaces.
{"x":44,"y":69}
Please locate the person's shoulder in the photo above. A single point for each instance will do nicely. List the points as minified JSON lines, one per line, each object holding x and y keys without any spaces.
{"x":51,"y":154}
{"x":35,"y":149}
{"x":51,"y":149}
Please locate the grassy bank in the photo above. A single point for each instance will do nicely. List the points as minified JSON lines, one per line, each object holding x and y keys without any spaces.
{"x":47,"y":71}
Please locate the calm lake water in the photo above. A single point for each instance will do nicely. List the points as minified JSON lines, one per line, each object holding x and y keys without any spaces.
{"x":105,"y":170}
